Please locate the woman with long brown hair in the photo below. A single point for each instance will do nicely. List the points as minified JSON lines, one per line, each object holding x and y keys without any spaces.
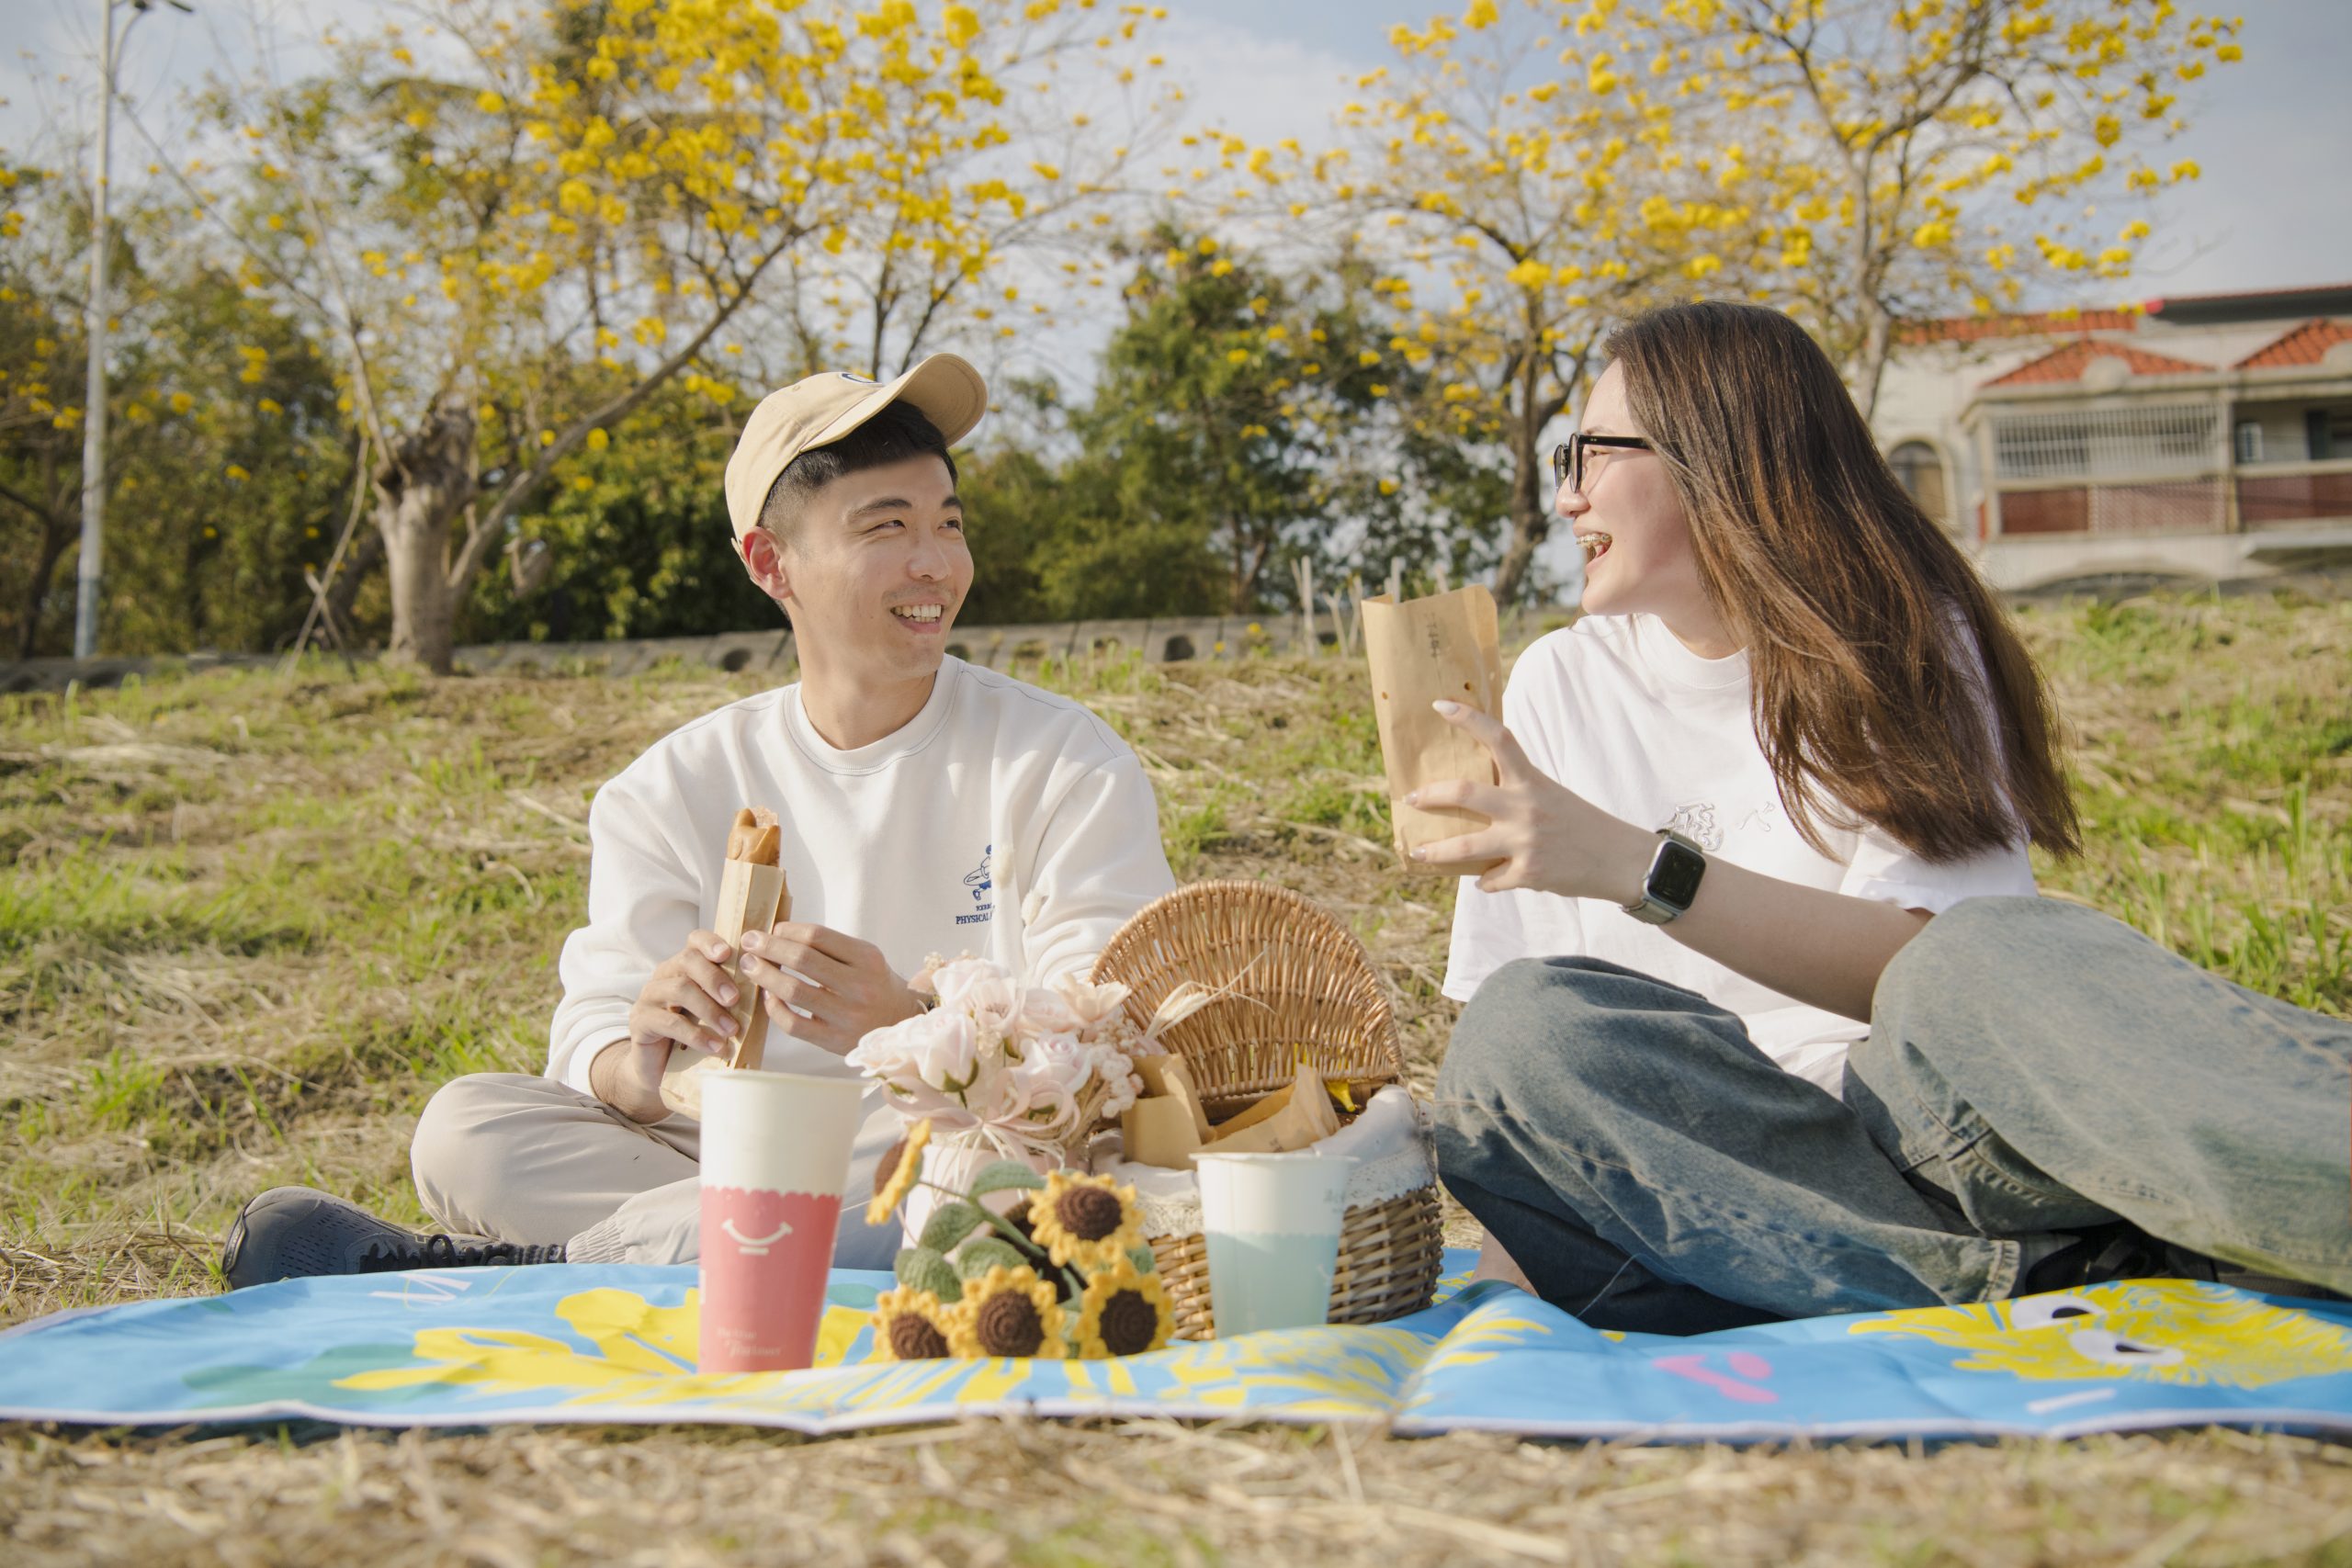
{"x":1764,"y":1019}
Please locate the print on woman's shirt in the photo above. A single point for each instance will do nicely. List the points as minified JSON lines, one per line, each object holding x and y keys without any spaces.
{"x":982,"y":887}
{"x":1697,"y":823}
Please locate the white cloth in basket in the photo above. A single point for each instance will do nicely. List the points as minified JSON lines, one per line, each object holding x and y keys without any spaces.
{"x":1389,"y":1142}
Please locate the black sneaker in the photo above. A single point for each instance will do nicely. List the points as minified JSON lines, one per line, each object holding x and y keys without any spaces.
{"x":294,"y":1232}
{"x":2122,"y":1251}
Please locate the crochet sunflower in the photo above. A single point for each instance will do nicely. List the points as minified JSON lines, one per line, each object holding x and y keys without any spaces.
{"x":894,"y":1176}
{"x":1008,"y":1311}
{"x":911,"y":1325}
{"x":1085,"y":1220}
{"x":1124,"y":1312}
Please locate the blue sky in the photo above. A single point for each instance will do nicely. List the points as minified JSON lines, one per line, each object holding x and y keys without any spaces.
{"x":2272,"y":211}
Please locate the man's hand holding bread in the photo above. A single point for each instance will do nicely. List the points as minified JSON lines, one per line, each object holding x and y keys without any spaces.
{"x":844,"y":986}
{"x":687,"y":1003}
{"x":841,"y":983}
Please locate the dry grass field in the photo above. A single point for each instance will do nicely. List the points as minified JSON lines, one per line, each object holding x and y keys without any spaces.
{"x":251,"y":921}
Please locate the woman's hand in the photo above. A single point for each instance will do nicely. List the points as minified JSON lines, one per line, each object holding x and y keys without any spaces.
{"x":1545,"y":837}
{"x":1818,"y":946}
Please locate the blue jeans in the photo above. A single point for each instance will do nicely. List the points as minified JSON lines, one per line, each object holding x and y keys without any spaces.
{"x":2034,"y":1067}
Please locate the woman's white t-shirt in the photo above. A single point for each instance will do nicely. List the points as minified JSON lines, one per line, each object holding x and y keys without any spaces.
{"x":1618,"y":711}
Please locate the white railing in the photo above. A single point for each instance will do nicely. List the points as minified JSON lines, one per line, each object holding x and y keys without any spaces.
{"x":2116,"y":442}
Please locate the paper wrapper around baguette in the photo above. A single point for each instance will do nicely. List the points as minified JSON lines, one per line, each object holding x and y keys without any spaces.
{"x":753,"y":896}
{"x":1446,"y":646}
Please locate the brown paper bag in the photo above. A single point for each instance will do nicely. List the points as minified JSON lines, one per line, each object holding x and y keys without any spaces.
{"x":1267,"y":1107}
{"x":1168,"y":1074}
{"x":1158,"y":1131}
{"x":1167,"y":1127}
{"x":1446,"y":646}
{"x":1303,"y":1116}
{"x":753,"y":896}
{"x":1167,"y":1123}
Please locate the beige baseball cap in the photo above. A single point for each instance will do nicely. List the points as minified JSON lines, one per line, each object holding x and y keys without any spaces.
{"x":820,"y":409}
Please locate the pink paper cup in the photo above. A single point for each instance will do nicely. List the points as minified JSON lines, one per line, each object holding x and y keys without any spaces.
{"x":776,"y":1156}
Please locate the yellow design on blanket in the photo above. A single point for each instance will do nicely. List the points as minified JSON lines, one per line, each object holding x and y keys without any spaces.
{"x":643,"y":1353}
{"x":2174,"y":1331}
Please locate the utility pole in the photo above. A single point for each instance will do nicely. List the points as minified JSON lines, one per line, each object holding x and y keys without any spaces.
{"x":94,"y":334}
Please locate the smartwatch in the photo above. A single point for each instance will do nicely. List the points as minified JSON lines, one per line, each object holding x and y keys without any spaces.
{"x":1672,"y":881}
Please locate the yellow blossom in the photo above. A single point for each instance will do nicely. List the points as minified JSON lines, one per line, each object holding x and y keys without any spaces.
{"x":911,"y":1325}
{"x":895,"y":1175}
{"x":1008,"y":1311}
{"x":1085,"y":1220}
{"x":1123,"y":1311}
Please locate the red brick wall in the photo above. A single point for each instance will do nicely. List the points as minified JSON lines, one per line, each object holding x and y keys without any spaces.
{"x":2271,"y":499}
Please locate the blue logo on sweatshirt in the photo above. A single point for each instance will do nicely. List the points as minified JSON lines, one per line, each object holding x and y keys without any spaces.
{"x":982,"y":888}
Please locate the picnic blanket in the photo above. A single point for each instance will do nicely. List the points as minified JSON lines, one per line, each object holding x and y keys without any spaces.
{"x":467,"y":1347}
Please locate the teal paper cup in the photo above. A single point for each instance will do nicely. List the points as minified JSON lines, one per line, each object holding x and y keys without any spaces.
{"x":1273,"y":1226}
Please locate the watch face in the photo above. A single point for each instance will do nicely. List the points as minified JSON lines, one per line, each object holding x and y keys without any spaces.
{"x":1675,"y":878}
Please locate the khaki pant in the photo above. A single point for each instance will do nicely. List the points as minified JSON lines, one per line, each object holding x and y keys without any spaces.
{"x":526,"y":1159}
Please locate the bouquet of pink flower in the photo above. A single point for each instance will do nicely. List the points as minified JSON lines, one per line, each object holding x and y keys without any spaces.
{"x":1029,"y":1071}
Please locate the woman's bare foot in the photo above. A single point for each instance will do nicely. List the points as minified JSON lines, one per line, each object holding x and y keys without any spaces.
{"x":1494,"y":1263}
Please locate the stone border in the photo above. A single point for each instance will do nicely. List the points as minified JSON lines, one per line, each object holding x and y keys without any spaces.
{"x":1168,"y":641}
{"x":1161,"y":640}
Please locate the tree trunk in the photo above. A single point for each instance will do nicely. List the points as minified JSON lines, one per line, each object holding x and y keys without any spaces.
{"x":1869,"y":358}
{"x":1869,"y":361}
{"x":53,"y":540}
{"x":420,"y":489}
{"x":59,"y":528}
{"x":1531,"y":518}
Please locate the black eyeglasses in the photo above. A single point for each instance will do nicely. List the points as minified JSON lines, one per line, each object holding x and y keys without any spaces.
{"x":1569,"y":458}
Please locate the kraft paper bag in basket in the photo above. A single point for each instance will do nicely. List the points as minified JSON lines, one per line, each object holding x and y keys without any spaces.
{"x":1446,"y":646}
{"x":753,"y":896}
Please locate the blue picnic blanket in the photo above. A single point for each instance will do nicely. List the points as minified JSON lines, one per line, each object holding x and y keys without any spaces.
{"x":607,"y":1343}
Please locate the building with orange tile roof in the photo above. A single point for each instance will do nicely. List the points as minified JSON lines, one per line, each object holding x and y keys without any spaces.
{"x":2198,"y":438}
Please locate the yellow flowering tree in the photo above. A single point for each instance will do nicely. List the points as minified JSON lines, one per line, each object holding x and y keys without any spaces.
{"x":225,"y":470}
{"x":1529,"y":188}
{"x":518,"y":222}
{"x":1930,"y":157}
{"x":41,"y":370}
{"x":996,"y":213}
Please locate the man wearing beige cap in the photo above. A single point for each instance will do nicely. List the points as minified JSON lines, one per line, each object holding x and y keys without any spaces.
{"x":928,"y":806}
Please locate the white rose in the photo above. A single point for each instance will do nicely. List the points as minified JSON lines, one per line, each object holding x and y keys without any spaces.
{"x":942,"y":1049}
{"x":1037,"y":1102}
{"x":884,"y":1054}
{"x":1045,"y":1012}
{"x":1088,"y":1002}
{"x":984,"y":991}
{"x":1064,"y":1056}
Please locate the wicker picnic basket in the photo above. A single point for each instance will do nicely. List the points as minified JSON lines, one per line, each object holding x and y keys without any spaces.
{"x":1298,"y":981}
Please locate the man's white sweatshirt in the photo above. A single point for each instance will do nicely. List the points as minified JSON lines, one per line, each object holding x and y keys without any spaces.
{"x":1001,"y":820}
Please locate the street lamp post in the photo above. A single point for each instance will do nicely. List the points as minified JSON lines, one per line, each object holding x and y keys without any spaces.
{"x":94,"y":334}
